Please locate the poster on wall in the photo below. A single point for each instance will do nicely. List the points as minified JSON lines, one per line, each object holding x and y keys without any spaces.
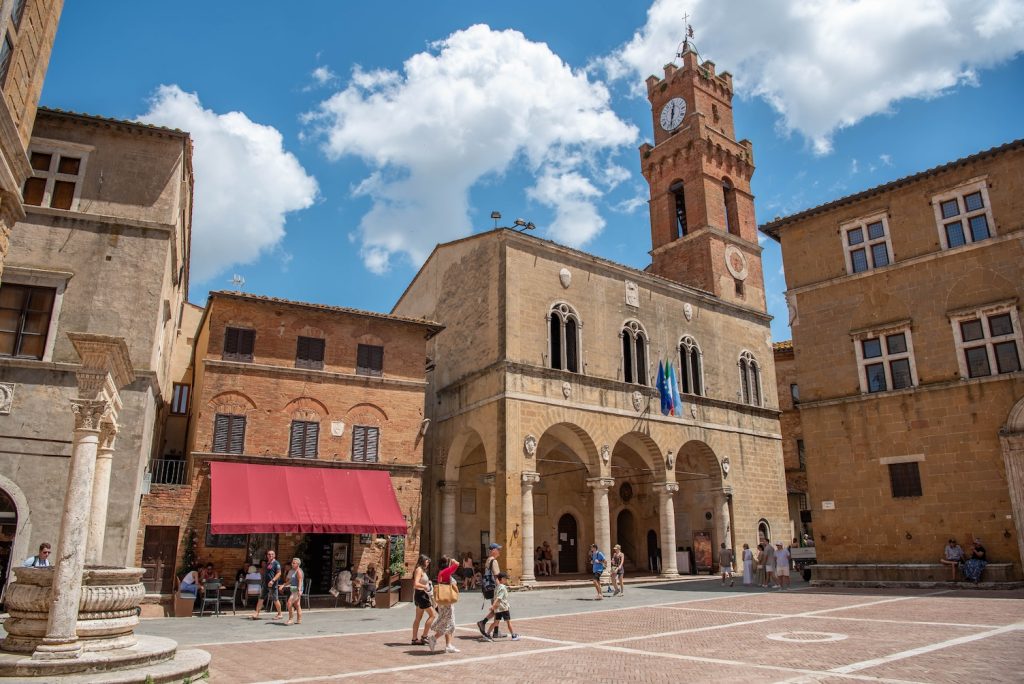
{"x":702,"y":550}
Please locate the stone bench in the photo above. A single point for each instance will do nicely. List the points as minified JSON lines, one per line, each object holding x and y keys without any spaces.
{"x":903,"y":575}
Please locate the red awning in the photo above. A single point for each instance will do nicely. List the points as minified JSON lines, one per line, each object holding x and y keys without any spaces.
{"x":247,"y":497}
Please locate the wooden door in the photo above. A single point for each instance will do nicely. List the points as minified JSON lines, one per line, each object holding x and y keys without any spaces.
{"x":159,"y":550}
{"x":568,"y":541}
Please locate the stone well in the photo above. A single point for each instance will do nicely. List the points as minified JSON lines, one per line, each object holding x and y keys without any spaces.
{"x":107,"y":613}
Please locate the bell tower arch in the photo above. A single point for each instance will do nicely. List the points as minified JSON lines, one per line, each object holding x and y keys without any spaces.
{"x":703,"y":228}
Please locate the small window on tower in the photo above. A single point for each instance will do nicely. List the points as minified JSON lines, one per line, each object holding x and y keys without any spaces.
{"x":739,"y":287}
{"x":680,"y":206}
{"x":714,"y":113}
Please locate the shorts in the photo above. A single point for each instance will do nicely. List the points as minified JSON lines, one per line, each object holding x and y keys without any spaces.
{"x":422,"y":599}
{"x":782,"y":571}
{"x":269,"y":594}
{"x":505,"y":615}
{"x":597,"y":576}
{"x":621,"y":572}
{"x":467,"y":573}
{"x":727,"y":570}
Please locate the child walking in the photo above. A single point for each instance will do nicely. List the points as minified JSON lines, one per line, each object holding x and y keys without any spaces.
{"x":501,"y":610}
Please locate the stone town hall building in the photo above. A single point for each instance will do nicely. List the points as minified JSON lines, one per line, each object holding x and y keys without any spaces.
{"x":546,"y":424}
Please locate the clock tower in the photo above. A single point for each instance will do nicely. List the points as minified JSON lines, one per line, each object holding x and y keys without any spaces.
{"x":703,"y":230}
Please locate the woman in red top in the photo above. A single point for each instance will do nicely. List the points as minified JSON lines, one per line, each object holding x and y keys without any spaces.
{"x":445,"y":622}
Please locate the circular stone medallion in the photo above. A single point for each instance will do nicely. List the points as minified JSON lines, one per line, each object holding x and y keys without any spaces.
{"x":807,"y":637}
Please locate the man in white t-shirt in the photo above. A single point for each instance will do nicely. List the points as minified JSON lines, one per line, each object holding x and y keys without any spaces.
{"x":41,"y":559}
{"x":782,"y":565}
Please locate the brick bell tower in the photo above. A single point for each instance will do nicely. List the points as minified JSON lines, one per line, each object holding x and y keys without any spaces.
{"x":703,"y":229}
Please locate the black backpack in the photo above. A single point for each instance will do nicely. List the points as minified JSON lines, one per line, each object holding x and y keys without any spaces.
{"x":489,"y":581}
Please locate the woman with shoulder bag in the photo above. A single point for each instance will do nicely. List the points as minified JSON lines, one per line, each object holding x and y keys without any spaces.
{"x":424,"y":600}
{"x":446,"y":593}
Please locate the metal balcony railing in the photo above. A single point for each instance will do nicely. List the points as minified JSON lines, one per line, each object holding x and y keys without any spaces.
{"x":168,"y":471}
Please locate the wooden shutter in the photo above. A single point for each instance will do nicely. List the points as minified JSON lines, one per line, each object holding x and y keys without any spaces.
{"x":221,"y":426}
{"x":295,"y":440}
{"x":358,"y":443}
{"x":372,"y":439}
{"x":369,"y":360}
{"x":309,"y":353}
{"x":246,"y":343}
{"x":231,"y":342}
{"x":236,"y":440}
{"x":310,"y":439}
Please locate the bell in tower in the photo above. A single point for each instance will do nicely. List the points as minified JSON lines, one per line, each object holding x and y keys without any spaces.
{"x":703,"y":229}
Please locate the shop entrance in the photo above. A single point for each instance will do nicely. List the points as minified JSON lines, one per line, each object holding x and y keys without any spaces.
{"x":325,"y":556}
{"x":568,"y":537}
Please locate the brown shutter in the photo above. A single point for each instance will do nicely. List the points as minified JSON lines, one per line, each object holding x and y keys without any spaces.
{"x":310,"y":442}
{"x":221,"y":426}
{"x":246,"y":343}
{"x":302,"y":352}
{"x":295,"y":440}
{"x":358,"y":443}
{"x":236,"y":442}
{"x":316,"y":351}
{"x":372,"y":439}
{"x":231,"y":342}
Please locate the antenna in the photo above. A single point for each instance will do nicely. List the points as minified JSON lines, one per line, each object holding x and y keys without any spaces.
{"x":238,"y":282}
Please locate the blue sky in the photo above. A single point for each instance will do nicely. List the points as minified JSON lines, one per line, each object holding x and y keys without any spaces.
{"x":337,"y":143}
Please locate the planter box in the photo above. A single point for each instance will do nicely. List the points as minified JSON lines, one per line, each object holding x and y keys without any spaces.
{"x":183,"y":604}
{"x":386,"y":599}
{"x":405,"y":594}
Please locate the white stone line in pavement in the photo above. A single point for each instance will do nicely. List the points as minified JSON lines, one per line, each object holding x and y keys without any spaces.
{"x":839,"y":617}
{"x":864,"y":664}
{"x":803,"y":672}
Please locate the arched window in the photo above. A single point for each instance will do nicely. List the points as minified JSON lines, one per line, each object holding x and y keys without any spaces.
{"x":564,"y":338}
{"x":750,"y":379}
{"x":634,"y":353}
{"x":691,"y":378}
{"x":732,"y":223}
{"x":679,"y":204}
{"x":764,"y":531}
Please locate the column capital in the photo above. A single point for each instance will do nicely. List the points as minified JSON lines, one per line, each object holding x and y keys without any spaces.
{"x":108,"y":435}
{"x":599,"y":483}
{"x":449,"y":487}
{"x":666,"y":489}
{"x":89,"y":413}
{"x":530,"y":478}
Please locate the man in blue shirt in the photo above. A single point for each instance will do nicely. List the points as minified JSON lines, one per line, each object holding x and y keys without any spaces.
{"x":597,"y":567}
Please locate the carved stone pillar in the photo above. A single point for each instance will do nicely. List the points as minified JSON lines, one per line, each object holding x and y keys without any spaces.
{"x":724,"y":519}
{"x":61,"y":639}
{"x":492,"y":515}
{"x":602,"y":528}
{"x":529,"y":479}
{"x":100,"y":494}
{"x":448,"y":491}
{"x":666,"y":505}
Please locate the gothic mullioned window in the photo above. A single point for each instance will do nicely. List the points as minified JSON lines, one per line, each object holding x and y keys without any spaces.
{"x":564,"y":338}
{"x":691,"y":371}
{"x":634,"y":353}
{"x":750,"y":379}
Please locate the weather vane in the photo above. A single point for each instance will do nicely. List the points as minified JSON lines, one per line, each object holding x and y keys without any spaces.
{"x":684,"y":47}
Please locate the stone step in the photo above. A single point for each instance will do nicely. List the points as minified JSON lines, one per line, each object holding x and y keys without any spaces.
{"x":191,"y":664}
{"x":149,"y":650}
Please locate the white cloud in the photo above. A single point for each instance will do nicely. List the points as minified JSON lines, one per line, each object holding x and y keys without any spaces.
{"x":886,"y":159}
{"x":826,"y":65}
{"x":323,"y":75}
{"x":854,"y":167}
{"x":474,"y":105}
{"x":245,"y":181}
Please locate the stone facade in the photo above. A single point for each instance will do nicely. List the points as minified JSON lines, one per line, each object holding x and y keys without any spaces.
{"x":115,"y":264}
{"x":271,"y":391}
{"x":936,"y":409}
{"x":30,"y":26}
{"x":793,"y":455}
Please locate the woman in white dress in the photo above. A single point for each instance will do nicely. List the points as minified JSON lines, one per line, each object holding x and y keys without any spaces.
{"x":748,"y":565}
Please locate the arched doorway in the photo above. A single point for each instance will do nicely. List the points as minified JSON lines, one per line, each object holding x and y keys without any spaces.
{"x":568,"y":543}
{"x":8,"y":528}
{"x":764,"y":531}
{"x":625,"y":536}
{"x":653,"y":560}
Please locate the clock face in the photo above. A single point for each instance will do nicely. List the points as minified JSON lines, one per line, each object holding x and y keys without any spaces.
{"x":672,"y":113}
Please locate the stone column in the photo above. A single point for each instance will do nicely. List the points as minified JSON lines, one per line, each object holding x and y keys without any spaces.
{"x":602,"y":529}
{"x":724,"y":520}
{"x":666,"y":505}
{"x":100,"y":493}
{"x":1013,"y":459}
{"x":448,"y":491}
{"x":529,"y":479}
{"x":492,"y":515}
{"x":61,"y":640}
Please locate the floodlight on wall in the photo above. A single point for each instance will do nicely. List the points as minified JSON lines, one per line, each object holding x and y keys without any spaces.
{"x":524,"y":225}
{"x":496,"y":215}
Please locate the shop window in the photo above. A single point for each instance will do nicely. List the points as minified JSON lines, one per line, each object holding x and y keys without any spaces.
{"x":369,"y":360}
{"x":365,"y":441}
{"x":239,"y":344}
{"x":309,"y":353}
{"x":228,"y":434}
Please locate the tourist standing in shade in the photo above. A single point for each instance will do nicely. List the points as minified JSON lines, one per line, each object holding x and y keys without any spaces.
{"x":769,"y":565}
{"x":759,"y":562}
{"x":782,"y":557}
{"x":725,"y":559}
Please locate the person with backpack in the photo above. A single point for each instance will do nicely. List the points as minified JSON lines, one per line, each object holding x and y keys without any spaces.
{"x":41,"y":559}
{"x":490,"y":580}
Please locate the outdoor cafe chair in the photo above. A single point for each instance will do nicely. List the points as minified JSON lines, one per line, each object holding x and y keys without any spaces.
{"x":211,"y":595}
{"x":305,"y":592}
